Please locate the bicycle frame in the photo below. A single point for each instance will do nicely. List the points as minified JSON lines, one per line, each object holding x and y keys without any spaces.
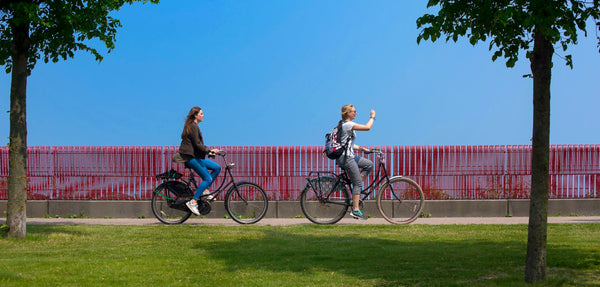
{"x":191,"y":180}
{"x":377,"y":180}
{"x":325,"y":199}
{"x":223,"y":186}
{"x":381,"y":176}
{"x":245,"y":202}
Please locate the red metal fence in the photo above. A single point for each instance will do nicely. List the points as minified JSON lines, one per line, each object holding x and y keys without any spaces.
{"x":444,"y":172}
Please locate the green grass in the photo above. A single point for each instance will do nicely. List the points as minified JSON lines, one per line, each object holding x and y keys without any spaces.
{"x":299,"y":255}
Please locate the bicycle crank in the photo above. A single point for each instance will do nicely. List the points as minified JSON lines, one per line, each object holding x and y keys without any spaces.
{"x":204,"y":207}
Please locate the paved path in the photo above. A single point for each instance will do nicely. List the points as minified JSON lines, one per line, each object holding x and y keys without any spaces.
{"x":294,"y":221}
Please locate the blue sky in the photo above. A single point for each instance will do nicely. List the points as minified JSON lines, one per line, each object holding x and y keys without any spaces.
{"x":272,"y":73}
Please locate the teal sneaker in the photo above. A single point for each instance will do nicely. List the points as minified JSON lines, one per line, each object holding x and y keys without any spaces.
{"x":358,"y":214}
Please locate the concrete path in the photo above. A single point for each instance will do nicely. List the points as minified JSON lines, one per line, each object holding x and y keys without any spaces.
{"x":294,"y":221}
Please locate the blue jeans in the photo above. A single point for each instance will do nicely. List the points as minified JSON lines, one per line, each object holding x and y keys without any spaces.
{"x":201,"y":167}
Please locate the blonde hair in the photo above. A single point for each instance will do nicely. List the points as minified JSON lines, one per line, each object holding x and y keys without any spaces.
{"x":345,"y":110}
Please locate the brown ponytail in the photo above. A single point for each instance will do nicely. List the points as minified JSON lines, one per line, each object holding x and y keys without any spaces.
{"x":189,"y":121}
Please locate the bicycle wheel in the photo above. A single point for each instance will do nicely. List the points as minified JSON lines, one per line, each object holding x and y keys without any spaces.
{"x":247,"y":203}
{"x":400,"y":201}
{"x":322,"y":203}
{"x":168,"y":202}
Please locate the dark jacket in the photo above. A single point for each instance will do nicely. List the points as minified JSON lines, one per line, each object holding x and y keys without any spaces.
{"x":192,"y":145}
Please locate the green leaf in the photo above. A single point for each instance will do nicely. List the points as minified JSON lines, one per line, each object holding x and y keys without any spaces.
{"x":473,"y":40}
{"x":569,"y":61}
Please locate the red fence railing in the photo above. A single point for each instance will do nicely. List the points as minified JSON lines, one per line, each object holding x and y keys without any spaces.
{"x":444,"y":172}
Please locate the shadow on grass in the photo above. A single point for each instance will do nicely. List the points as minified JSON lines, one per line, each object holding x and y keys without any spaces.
{"x":375,"y":258}
{"x":388,"y":259}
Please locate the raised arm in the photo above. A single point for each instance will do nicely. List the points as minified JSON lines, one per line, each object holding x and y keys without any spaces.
{"x":367,"y":126}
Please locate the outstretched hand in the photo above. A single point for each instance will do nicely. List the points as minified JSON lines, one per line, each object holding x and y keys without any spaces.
{"x":214,"y":152}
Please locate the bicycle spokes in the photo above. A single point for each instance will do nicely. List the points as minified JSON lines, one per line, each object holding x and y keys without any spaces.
{"x":167,"y":206}
{"x":400,"y":200}
{"x":246,"y":203}
{"x":324,"y":200}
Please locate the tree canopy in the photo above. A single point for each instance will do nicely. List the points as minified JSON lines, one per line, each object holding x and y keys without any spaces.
{"x":59,"y":28}
{"x":509,"y":24}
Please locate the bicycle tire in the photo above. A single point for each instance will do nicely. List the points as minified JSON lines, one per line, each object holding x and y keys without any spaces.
{"x":400,"y":200}
{"x":166,"y":197}
{"x":246,"y":203}
{"x":322,"y":203}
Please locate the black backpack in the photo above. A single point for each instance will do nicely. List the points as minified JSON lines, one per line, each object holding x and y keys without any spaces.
{"x":334,"y":147}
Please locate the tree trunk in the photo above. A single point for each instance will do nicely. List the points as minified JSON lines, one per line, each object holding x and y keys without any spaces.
{"x":541,"y":68}
{"x":17,"y":160}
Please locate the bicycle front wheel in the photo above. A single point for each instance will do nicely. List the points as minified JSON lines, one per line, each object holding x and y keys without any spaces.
{"x":246,"y":203}
{"x":400,"y":200}
{"x":168,"y":207}
{"x":322,"y":203}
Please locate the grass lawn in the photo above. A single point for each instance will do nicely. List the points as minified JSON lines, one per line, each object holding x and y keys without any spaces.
{"x":299,"y":255}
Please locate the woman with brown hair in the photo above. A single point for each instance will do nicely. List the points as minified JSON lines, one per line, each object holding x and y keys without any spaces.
{"x":194,"y":152}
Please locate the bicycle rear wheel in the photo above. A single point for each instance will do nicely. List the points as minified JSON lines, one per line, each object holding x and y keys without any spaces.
{"x":247,"y":203}
{"x":168,"y":207}
{"x":400,"y":201}
{"x":322,"y":203}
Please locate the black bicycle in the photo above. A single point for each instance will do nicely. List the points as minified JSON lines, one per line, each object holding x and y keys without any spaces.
{"x":325,"y":198}
{"x":245,"y":202}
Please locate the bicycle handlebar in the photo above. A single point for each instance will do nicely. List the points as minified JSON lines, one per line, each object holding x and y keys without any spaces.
{"x":374,"y":150}
{"x":221,"y":153}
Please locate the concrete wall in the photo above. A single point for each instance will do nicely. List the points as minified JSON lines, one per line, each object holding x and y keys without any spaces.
{"x":288,"y":209}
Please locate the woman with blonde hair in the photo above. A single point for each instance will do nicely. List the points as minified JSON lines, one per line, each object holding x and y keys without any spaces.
{"x":355,"y":166}
{"x":194,"y":152}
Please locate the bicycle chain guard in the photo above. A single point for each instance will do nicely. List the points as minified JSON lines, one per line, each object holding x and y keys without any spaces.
{"x":204,"y":207}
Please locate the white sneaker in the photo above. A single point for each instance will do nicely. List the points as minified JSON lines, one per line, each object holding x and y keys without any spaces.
{"x":210,"y":197}
{"x":193,"y":206}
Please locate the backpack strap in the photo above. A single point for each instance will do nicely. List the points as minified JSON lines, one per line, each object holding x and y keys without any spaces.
{"x":344,"y":145}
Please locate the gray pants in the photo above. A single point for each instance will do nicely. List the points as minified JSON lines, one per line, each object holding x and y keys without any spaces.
{"x":354,"y":167}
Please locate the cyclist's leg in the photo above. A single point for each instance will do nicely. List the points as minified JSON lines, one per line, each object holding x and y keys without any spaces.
{"x":209,"y":178}
{"x":350,"y":165}
{"x":214,"y":167}
{"x":365,"y":166}
{"x":200,"y":168}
